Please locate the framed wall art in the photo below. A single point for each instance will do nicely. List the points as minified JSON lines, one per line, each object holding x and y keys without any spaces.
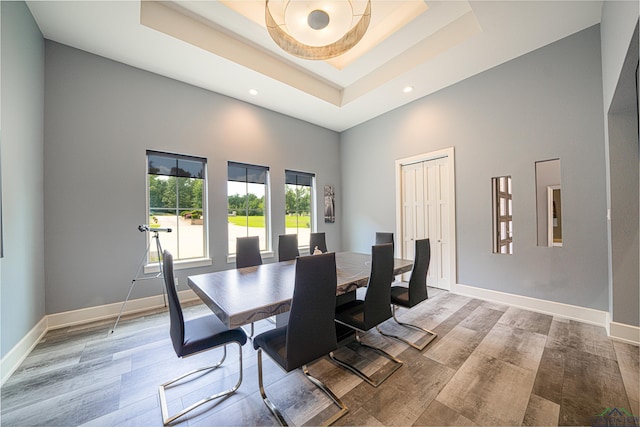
{"x":329,"y":204}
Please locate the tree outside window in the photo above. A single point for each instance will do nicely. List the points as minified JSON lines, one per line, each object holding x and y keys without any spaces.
{"x":176,"y":200}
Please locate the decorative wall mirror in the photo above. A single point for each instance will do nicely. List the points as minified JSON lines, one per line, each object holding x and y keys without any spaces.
{"x":554,"y":216}
{"x":502,"y":215}
{"x":549,"y":203}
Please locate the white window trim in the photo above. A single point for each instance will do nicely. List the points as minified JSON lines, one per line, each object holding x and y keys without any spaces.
{"x":313,"y":214}
{"x":180,"y":264}
{"x":268,"y":252}
{"x":265,"y":255}
{"x":314,"y":210}
{"x":152,"y":267}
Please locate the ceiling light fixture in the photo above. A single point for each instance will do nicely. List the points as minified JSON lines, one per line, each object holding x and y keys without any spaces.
{"x":317,"y":29}
{"x":253,"y":92}
{"x":407,"y":89}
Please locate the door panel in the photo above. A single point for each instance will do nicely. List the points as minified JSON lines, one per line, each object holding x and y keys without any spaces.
{"x":425,"y":204}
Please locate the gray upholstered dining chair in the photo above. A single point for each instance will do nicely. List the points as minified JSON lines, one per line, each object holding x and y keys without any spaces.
{"x":384,"y":237}
{"x":413,"y":294}
{"x":381,"y":238}
{"x":248,"y":252}
{"x":248,"y":255}
{"x":194,"y":336}
{"x":362,"y":315}
{"x":288,"y":247}
{"x":310,"y":332}
{"x":317,"y":240}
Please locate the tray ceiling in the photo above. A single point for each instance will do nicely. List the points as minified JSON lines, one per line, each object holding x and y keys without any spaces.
{"x":223,"y":46}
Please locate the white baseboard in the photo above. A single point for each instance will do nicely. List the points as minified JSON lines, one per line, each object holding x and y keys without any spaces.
{"x":567,"y":311}
{"x":627,"y":333}
{"x":90,"y":314}
{"x":20,"y":351}
{"x":12,"y":360}
{"x":101,"y":312}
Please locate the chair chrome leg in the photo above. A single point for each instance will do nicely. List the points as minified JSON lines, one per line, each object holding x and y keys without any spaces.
{"x":249,"y":335}
{"x":168,"y":419}
{"x":397,"y":364}
{"x":430,"y":334}
{"x":276,"y":413}
{"x":322,"y":386}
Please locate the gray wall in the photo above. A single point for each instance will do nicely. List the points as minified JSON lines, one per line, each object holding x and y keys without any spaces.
{"x":619,"y":62}
{"x":100,"y":117}
{"x":546,"y":104}
{"x":619,"y":19}
{"x":623,"y":152}
{"x":22,"y":289}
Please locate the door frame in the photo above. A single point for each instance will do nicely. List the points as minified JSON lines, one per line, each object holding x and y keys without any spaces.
{"x":433,"y":155}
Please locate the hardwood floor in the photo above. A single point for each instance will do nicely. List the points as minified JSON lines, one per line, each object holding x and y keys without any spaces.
{"x":490,"y":365}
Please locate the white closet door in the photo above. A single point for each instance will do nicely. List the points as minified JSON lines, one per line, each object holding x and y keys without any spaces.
{"x":425,"y":202}
{"x":412,"y":206}
{"x":439,"y":226}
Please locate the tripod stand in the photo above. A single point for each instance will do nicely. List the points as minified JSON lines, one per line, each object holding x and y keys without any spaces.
{"x":137,"y":277}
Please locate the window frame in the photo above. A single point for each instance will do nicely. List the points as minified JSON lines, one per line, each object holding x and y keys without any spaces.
{"x":312,"y":200}
{"x":267,"y":252}
{"x":180,"y":263}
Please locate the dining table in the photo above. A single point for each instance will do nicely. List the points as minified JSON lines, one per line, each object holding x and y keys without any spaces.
{"x":244,"y":295}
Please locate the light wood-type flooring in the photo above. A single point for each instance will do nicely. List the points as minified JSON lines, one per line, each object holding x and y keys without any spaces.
{"x":490,"y":365}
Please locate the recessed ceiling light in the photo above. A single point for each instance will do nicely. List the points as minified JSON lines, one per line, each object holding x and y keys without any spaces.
{"x":407,"y":89}
{"x":253,"y":92}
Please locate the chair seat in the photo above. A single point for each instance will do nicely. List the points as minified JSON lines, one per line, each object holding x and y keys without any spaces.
{"x":400,"y":296}
{"x":274,"y":343}
{"x":352,"y":313}
{"x":207,"y":332}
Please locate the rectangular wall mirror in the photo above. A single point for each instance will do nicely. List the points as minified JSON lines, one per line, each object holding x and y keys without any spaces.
{"x":549,"y":203}
{"x":502,"y":215}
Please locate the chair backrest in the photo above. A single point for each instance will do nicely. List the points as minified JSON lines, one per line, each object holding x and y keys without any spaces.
{"x":384,"y":237}
{"x":288,"y":247}
{"x":377,"y":301}
{"x":311,"y":330}
{"x":248,"y":252}
{"x":418,"y":280}
{"x":317,"y":240}
{"x":176,"y":318}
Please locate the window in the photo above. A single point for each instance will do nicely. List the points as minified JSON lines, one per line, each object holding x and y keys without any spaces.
{"x":298,"y":201}
{"x":502,"y":215}
{"x":248,"y":204}
{"x":176,"y":200}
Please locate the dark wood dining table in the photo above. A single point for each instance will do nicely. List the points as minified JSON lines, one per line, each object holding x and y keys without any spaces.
{"x":245,"y":295}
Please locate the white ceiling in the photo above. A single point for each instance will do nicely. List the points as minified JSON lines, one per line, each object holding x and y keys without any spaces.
{"x":210,"y":45}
